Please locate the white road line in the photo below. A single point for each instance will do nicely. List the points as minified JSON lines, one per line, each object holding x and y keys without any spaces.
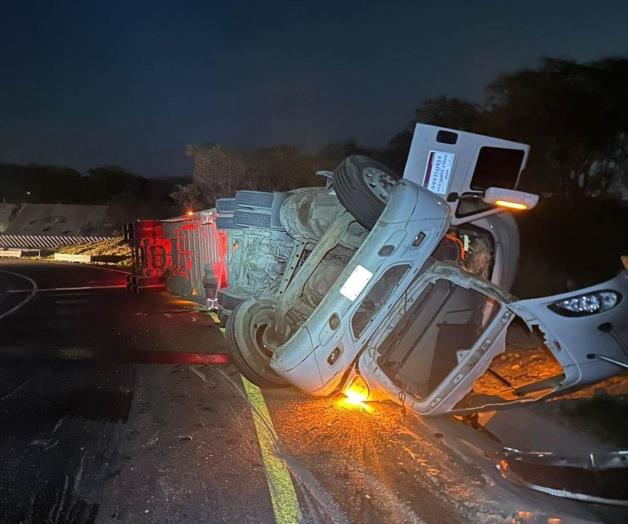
{"x":33,"y":292}
{"x":89,"y":266}
{"x":84,"y":299}
{"x":79,"y":288}
{"x":86,"y":266}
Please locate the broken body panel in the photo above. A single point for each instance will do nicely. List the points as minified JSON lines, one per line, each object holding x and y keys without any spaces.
{"x":598,"y":477}
{"x":588,"y":347}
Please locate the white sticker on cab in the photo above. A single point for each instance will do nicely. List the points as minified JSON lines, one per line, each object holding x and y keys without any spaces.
{"x":438,"y":171}
{"x":356,"y":282}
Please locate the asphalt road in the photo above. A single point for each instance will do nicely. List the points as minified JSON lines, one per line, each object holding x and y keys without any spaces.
{"x":97,"y":426}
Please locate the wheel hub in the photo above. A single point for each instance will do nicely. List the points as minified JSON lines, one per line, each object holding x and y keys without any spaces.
{"x":379,"y":183}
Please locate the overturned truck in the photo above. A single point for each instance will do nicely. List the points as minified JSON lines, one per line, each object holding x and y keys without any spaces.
{"x":389,"y":287}
{"x":397,"y":288}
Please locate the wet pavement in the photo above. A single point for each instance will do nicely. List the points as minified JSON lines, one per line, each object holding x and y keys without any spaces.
{"x":109,"y":415}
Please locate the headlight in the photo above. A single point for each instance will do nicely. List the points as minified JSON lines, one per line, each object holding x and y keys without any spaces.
{"x":587,"y":304}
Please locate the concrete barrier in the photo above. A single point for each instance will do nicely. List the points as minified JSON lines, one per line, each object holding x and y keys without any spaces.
{"x":11,"y":253}
{"x":62,"y":257}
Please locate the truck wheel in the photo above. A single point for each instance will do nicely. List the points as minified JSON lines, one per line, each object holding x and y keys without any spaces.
{"x":225,"y":205}
{"x":260,"y":199}
{"x":244,"y":333}
{"x":226,"y":222}
{"x":252,"y":219}
{"x":229,"y":301}
{"x":363,"y":186}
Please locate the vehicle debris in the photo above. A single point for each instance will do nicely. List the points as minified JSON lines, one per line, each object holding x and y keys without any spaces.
{"x":464,"y":320}
{"x":598,"y":477}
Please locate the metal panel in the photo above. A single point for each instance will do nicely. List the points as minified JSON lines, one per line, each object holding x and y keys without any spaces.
{"x":198,"y":248}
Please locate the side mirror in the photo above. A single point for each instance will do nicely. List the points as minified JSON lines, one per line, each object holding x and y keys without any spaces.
{"x":510,"y":199}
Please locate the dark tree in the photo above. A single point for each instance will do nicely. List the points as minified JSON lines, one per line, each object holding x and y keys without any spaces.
{"x":574,"y":115}
{"x":39,"y":183}
{"x":221,"y":171}
{"x":440,"y":111}
{"x":109,"y":182}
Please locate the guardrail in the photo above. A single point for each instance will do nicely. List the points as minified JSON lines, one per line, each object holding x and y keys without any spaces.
{"x":63,"y":257}
{"x":45,"y":241}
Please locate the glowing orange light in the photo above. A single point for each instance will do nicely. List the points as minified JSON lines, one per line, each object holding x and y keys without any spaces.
{"x":190,"y":213}
{"x":354,"y":397}
{"x":511,"y":205}
{"x":357,"y":392}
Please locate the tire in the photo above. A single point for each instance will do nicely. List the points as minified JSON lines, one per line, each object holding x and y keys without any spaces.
{"x":243,"y":333}
{"x":228,"y":301}
{"x":225,"y":205}
{"x":362,"y":185}
{"x":250,"y":219}
{"x":225,"y":222}
{"x":259,"y":199}
{"x":448,"y":250}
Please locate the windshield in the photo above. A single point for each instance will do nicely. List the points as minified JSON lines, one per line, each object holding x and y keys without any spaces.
{"x":434,"y":336}
{"x":377,"y":297}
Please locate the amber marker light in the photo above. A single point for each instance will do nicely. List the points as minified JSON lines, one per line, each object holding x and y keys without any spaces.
{"x":511,"y":205}
{"x":510,"y":198}
{"x":190,"y":213}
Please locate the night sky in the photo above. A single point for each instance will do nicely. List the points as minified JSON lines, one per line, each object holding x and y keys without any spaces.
{"x":131,"y":83}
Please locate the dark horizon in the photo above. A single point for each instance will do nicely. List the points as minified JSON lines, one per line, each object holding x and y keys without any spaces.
{"x":93,"y":84}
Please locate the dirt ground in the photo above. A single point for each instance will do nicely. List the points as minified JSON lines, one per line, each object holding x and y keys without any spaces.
{"x":115,"y":250}
{"x":598,"y":410}
{"x":519,"y":367}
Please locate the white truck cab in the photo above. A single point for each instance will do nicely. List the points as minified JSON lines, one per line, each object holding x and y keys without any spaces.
{"x":476,"y":174}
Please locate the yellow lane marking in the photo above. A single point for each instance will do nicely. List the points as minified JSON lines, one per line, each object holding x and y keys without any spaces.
{"x":282,"y":493}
